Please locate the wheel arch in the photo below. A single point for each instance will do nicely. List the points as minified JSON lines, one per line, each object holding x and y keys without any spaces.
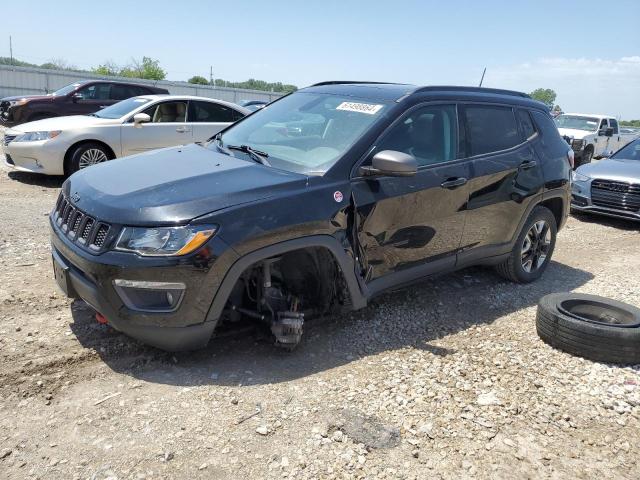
{"x":72,"y":148}
{"x":328,"y":242}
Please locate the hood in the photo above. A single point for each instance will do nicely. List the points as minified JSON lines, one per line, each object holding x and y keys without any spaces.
{"x":613,"y":169}
{"x":63,"y":123}
{"x":173,"y":185}
{"x":574,"y":133}
{"x":28,"y":97}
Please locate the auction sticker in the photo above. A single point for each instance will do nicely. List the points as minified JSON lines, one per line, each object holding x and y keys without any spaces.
{"x":337,"y":196}
{"x":368,"y":108}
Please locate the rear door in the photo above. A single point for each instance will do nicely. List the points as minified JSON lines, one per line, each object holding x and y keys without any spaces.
{"x":407,"y":227}
{"x":615,"y":141}
{"x":208,"y":118}
{"x":168,"y":127}
{"x":505,"y":176}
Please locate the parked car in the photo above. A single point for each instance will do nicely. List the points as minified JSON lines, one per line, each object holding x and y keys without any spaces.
{"x":260,"y":224}
{"x":78,"y":98}
{"x":63,"y":145}
{"x":610,"y":187}
{"x":591,"y":136}
{"x":254,"y":105}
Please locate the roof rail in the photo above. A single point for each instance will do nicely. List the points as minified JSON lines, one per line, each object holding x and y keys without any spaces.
{"x":346,"y":82}
{"x":497,"y":91}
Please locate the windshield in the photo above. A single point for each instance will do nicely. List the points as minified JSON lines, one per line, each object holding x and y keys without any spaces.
{"x":120,"y":109}
{"x":630,"y":152}
{"x":304,"y":132}
{"x":578,"y":123}
{"x":65,"y":90}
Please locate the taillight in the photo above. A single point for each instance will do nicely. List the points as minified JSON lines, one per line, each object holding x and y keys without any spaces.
{"x":571,"y":157}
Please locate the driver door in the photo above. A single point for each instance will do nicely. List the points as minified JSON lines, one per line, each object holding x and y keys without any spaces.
{"x":409,"y":227}
{"x":168,"y":127}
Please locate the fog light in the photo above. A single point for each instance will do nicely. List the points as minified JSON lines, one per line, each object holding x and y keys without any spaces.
{"x":150,"y":296}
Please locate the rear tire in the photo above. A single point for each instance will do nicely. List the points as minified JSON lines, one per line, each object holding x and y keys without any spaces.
{"x":587,"y":156}
{"x":533,"y":248}
{"x":86,"y":155}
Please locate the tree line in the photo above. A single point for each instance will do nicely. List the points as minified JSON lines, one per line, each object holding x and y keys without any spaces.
{"x":150,"y":69}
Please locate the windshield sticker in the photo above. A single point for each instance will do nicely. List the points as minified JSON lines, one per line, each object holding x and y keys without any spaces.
{"x":368,"y":108}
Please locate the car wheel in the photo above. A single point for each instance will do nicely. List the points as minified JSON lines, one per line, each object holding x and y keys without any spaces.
{"x":589,"y":326}
{"x":86,"y":155}
{"x":587,"y":156}
{"x":533,"y":248}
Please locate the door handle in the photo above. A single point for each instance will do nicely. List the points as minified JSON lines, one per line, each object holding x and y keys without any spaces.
{"x":527,"y":165}
{"x":182,"y":129}
{"x":453,"y":183}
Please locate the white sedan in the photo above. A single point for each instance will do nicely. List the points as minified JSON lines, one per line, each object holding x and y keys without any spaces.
{"x":63,"y":145}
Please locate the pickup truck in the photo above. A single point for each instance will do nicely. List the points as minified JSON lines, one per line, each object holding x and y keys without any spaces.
{"x":591,"y":136}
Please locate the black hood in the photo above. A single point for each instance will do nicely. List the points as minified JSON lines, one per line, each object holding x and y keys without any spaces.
{"x":173,"y":185}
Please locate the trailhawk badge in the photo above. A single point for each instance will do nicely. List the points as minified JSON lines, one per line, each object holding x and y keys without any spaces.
{"x":337,"y":196}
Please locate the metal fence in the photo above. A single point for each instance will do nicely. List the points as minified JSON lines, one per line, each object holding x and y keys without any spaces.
{"x":39,"y":81}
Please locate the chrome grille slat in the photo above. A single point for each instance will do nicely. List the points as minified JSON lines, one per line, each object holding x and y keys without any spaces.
{"x":615,"y":195}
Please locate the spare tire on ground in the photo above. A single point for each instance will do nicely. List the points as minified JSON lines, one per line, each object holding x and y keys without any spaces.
{"x":589,"y":326}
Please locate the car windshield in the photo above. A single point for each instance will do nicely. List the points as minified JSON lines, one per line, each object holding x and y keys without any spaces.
{"x":65,"y":90}
{"x":304,"y":132}
{"x":629,"y":152}
{"x":578,"y":123}
{"x":122,"y":108}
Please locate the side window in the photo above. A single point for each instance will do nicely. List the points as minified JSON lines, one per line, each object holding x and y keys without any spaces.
{"x":603,"y":124}
{"x":526,"y":124}
{"x":119,"y":92}
{"x":428,"y":133}
{"x":491,"y":129}
{"x":210,"y":112}
{"x":613,"y":123}
{"x":548,"y":130}
{"x":168,"y":112}
{"x":97,"y":91}
{"x":237,"y":115}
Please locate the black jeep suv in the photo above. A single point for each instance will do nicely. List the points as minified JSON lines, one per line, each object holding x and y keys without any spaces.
{"x":80,"y":98}
{"x":320,"y":201}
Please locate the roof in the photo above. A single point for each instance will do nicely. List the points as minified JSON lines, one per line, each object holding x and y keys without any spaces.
{"x":398,"y":91}
{"x":163,"y":96}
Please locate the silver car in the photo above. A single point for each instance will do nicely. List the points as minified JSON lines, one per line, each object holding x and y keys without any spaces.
{"x":610,"y":187}
{"x":63,"y":145}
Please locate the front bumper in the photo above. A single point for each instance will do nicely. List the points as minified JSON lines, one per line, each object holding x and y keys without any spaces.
{"x":582,"y":201}
{"x":46,"y":156}
{"x":91,"y":278}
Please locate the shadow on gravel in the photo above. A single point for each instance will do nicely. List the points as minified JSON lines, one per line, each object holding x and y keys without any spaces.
{"x":411,"y":318}
{"x":618,"y":223}
{"x":47,"y":181}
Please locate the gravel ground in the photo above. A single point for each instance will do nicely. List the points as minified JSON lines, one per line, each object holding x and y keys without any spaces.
{"x":446,"y":379}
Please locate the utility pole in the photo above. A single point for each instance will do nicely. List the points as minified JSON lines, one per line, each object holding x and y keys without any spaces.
{"x":11,"y":49}
{"x":482,"y":79}
{"x":211,"y":75}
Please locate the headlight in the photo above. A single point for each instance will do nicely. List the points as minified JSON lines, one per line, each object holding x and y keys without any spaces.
{"x":164,"y":241}
{"x":37,"y":136}
{"x":17,"y":103}
{"x":578,"y":177}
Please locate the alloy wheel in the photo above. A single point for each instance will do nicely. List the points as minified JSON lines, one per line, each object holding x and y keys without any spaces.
{"x":91,"y":157}
{"x":535,"y":246}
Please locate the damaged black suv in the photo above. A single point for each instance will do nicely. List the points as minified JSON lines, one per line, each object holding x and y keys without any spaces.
{"x":316,"y":203}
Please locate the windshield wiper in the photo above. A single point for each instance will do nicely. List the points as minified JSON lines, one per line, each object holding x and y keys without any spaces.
{"x":256,"y":155}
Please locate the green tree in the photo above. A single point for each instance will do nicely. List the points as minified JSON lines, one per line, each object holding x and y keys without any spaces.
{"x":148,"y":69}
{"x":544,"y":95}
{"x":107,"y":68}
{"x":197,"y":79}
{"x":630,"y":123}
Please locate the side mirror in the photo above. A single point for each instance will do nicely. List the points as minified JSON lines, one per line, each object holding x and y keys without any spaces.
{"x":391,"y":163}
{"x":76,"y":96}
{"x":140,"y":118}
{"x":606,"y":132}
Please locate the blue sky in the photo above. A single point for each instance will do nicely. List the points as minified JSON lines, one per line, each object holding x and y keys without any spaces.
{"x":587,"y":51}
